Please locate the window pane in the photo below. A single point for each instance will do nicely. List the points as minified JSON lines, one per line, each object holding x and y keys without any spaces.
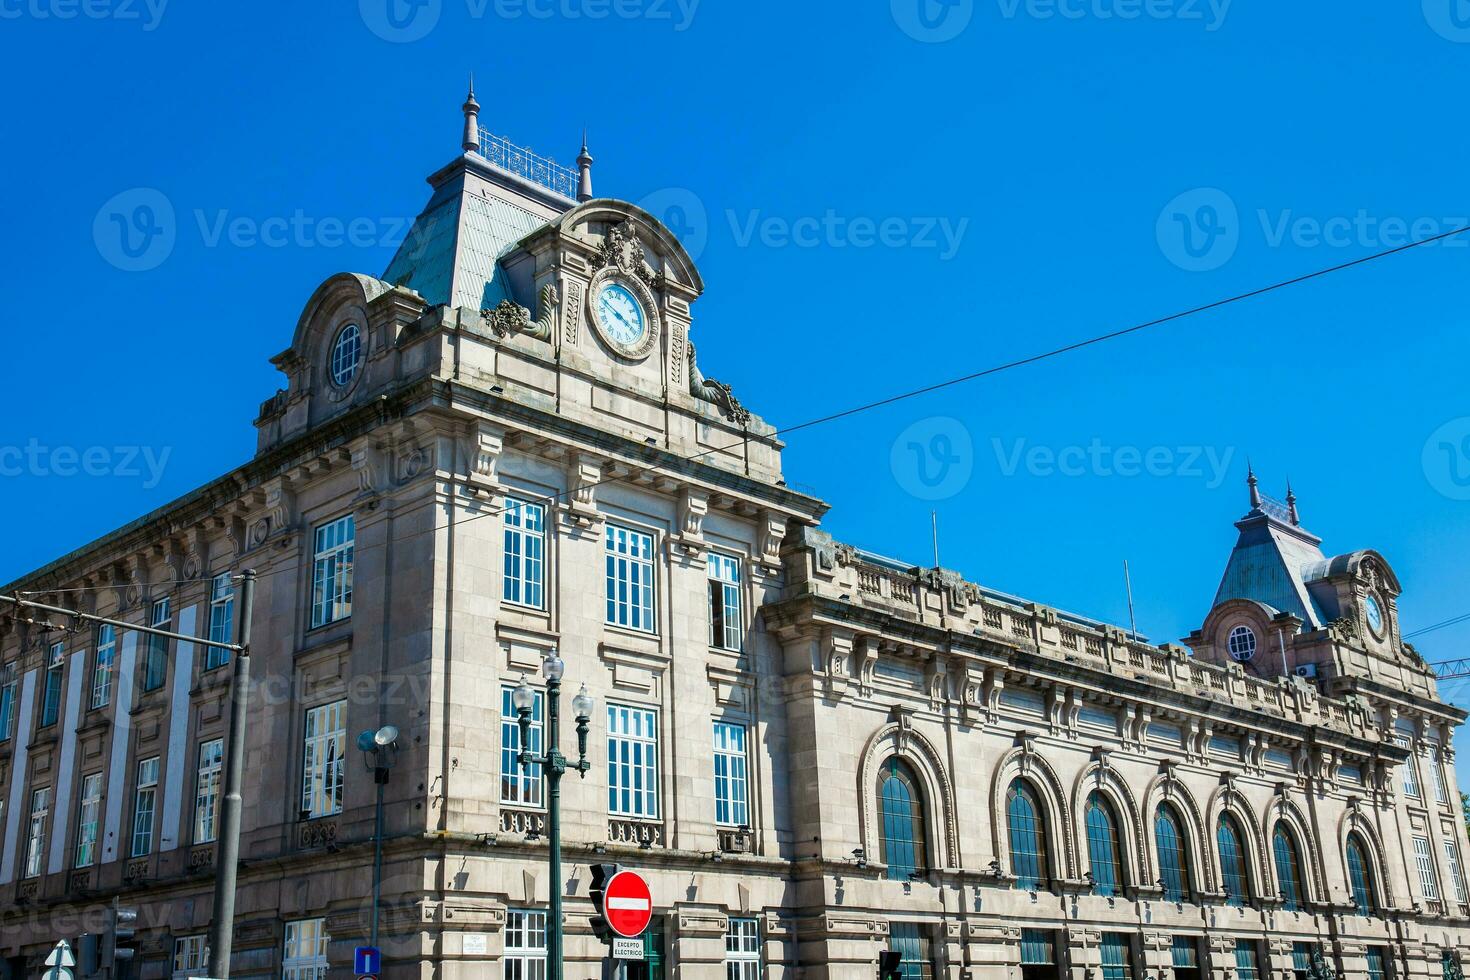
{"x":519,"y":784}
{"x":1232,"y":862}
{"x":632,"y":752}
{"x":1171,"y":845}
{"x":1288,"y":868}
{"x":901,"y":819}
{"x":1103,"y":848}
{"x":1027,"y":837}
{"x":731,"y":808}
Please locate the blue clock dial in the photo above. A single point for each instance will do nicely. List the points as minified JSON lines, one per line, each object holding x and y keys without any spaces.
{"x":1375,"y":615}
{"x":620,"y":314}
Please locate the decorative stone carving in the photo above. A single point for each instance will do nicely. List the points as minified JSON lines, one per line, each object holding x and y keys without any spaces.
{"x":574,"y":312}
{"x":622,"y":250}
{"x":280,"y":505}
{"x":772,"y":533}
{"x":368,"y":464}
{"x":510,"y":318}
{"x":693,"y":508}
{"x":716,"y":392}
{"x":584,"y":473}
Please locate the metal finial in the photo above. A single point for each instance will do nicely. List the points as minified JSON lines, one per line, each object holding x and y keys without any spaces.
{"x":471,"y":110}
{"x":1296,"y":518}
{"x":584,"y":171}
{"x":1254,"y":484}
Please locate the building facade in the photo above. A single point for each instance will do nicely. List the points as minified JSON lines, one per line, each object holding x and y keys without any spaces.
{"x":505,"y":446}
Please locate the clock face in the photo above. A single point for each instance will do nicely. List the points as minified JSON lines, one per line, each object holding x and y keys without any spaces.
{"x":620,"y":315}
{"x":1375,"y":615}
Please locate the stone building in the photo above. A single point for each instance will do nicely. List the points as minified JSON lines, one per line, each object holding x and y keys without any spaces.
{"x":505,"y":446}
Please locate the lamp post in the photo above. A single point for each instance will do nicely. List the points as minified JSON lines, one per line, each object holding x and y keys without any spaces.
{"x":380,"y":750}
{"x":554,"y":765}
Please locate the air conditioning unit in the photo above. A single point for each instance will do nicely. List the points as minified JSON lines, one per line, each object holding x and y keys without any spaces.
{"x":1308,"y":671}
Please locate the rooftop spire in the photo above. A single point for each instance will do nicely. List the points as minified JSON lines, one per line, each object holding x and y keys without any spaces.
{"x":1255,"y":486}
{"x":471,"y":119}
{"x":584,"y":171}
{"x":1296,"y":518}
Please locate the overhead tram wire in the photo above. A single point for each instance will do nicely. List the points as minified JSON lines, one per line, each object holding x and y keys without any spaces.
{"x":1454,"y":621}
{"x":973,"y":376}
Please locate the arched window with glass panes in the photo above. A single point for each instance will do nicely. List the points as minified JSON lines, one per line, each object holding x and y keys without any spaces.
{"x":1288,"y":867}
{"x":1026,"y":827}
{"x":901,"y":818}
{"x":1173,"y":854}
{"x":1103,"y":847}
{"x":1360,"y":876}
{"x":1233,"y":873}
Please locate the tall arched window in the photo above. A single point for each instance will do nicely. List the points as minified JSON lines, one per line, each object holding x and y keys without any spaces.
{"x":1173,"y":854}
{"x":1232,"y":861}
{"x":1103,"y":847}
{"x":901,"y":812}
{"x":1288,"y":867}
{"x":1027,"y":829}
{"x":1359,"y":876}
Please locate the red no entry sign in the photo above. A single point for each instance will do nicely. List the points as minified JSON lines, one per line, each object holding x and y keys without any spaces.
{"x":627,"y":904}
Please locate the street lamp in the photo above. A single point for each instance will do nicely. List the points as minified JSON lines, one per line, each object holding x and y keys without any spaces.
{"x":554,"y":764}
{"x":380,"y":751}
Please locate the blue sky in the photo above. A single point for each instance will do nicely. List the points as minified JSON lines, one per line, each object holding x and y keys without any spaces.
{"x":881,"y":196}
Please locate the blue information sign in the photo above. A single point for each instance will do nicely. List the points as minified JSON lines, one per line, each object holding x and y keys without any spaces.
{"x":367,"y":960}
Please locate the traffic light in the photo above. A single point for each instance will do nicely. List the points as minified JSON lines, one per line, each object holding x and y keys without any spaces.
{"x":888,"y":965}
{"x":601,"y":875}
{"x":88,"y":948}
{"x":117,"y":942}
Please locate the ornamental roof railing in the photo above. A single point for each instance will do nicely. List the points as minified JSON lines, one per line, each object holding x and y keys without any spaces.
{"x":524,"y":162}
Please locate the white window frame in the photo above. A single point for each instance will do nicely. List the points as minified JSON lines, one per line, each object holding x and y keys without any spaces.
{"x":525,"y":945}
{"x":726,"y":625}
{"x":36,"y":831}
{"x":207,"y":790}
{"x":524,"y":553}
{"x":55,"y":672}
{"x":630,"y":580}
{"x":7,"y":701}
{"x":732,"y":774}
{"x":191,"y":956}
{"x":89,"y":813}
{"x":521,"y":786}
{"x":632,"y":762}
{"x":104,"y":665}
{"x":1428,"y":877}
{"x":743,"y":949}
{"x":221,"y":619}
{"x":323,"y":772}
{"x":1411,"y":770}
{"x":334,"y":546}
{"x":1457,"y":877}
{"x":1441,"y":785}
{"x":160,"y":615}
{"x":147,"y":789}
{"x":304,"y":950}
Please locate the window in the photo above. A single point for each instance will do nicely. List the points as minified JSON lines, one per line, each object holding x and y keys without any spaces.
{"x":632,"y":762}
{"x":206,"y":791}
{"x":305,"y":956}
{"x":1103,"y":848}
{"x":1173,"y":854}
{"x":7,"y":701}
{"x":331,"y":576}
{"x":724,"y":602}
{"x":1232,"y":862}
{"x":1027,"y":831}
{"x":1377,"y":963}
{"x":519,"y":784}
{"x":525,"y":553}
{"x":731,"y":785}
{"x":145,"y":804}
{"x":1038,"y":954}
{"x":525,"y":946}
{"x":346,"y":355}
{"x":1184,"y":956}
{"x":1288,"y":868}
{"x":1411,"y":772}
{"x":743,"y":950}
{"x":221,"y":619}
{"x":1117,"y":961}
{"x":51,"y":699}
{"x":87,"y":819}
{"x":629,"y":578}
{"x":1242,"y":643}
{"x":1441,"y":787}
{"x":1452,"y":861}
{"x":36,"y":835}
{"x":321,"y":760}
{"x":1359,"y":878}
{"x":155,"y":658}
{"x":1424,"y":859}
{"x":911,"y":941}
{"x":103,"y":666}
{"x":191,"y":956}
{"x":901,"y":816}
{"x":1247,"y":960}
{"x":1301,"y":960}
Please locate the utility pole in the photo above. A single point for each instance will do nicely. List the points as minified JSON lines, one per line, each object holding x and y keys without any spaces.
{"x":222,"y":925}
